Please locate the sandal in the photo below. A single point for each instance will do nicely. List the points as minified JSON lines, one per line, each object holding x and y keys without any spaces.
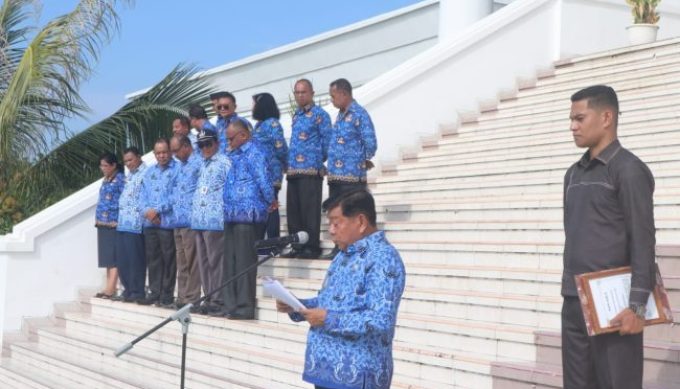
{"x":103,"y":295}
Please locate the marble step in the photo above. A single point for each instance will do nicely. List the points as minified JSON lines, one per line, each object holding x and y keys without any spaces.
{"x":632,"y":88}
{"x":485,"y":330}
{"x":621,"y":55}
{"x":661,"y":361}
{"x":565,"y":152}
{"x":158,"y":370}
{"x":541,"y":376}
{"x":15,"y":376}
{"x":635,"y":89}
{"x":558,"y":77}
{"x":537,"y":136}
{"x":246,"y":346}
{"x":68,"y":366}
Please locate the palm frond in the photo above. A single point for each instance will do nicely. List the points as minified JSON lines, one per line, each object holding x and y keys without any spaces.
{"x":42,"y":88}
{"x":74,"y":163}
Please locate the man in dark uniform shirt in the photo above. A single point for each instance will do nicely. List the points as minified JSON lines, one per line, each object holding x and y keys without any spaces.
{"x":608,"y":223}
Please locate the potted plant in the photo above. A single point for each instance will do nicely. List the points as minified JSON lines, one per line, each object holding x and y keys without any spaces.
{"x":645,"y":19}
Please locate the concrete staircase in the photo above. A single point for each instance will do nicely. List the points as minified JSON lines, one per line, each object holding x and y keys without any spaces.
{"x":477,"y":216}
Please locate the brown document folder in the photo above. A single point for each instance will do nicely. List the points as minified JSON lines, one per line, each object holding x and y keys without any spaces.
{"x":590,"y":314}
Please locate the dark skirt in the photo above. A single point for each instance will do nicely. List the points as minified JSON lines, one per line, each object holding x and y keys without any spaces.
{"x":106,"y":247}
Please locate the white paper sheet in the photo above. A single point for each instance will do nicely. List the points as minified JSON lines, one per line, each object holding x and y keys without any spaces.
{"x":611,"y":295}
{"x":275,"y":289}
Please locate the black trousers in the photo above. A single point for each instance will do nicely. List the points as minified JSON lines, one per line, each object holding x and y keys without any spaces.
{"x":162,"y":263}
{"x":608,"y":361}
{"x":272,"y":227}
{"x":303,"y":204}
{"x":337,"y":188}
{"x":239,"y":253}
{"x":131,"y":263}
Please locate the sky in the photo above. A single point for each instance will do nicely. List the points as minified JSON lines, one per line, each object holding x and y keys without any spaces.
{"x":156,"y":35}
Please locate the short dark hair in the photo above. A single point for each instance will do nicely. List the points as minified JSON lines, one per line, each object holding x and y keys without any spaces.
{"x":265,"y":107}
{"x":162,"y":140}
{"x":197,"y":112}
{"x":183,"y":140}
{"x":221,"y":95}
{"x":343,"y":85}
{"x":599,"y":96}
{"x":306,"y":81}
{"x":184,"y":120}
{"x":242,"y":124}
{"x":354,"y":203}
{"x":132,"y":149}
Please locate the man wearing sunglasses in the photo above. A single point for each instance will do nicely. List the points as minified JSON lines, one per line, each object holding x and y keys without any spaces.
{"x":226,"y":114}
{"x":207,"y":218}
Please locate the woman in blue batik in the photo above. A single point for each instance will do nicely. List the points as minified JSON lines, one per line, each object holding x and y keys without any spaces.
{"x":268,"y":133}
{"x":106,"y":220}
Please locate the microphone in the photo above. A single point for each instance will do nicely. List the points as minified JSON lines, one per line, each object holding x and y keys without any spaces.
{"x":299,"y":237}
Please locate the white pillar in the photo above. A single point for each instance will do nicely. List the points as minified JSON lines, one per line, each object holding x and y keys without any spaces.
{"x":456,"y":15}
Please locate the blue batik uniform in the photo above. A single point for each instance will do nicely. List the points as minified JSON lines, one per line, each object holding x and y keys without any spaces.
{"x":207,"y":206}
{"x":221,"y":128}
{"x":106,"y":214}
{"x":269,"y":134}
{"x":361,"y":293}
{"x":183,"y":190}
{"x":129,"y":206}
{"x":309,"y":141}
{"x":249,"y":190}
{"x":351,"y":144}
{"x":193,"y":138}
{"x":156,"y":190}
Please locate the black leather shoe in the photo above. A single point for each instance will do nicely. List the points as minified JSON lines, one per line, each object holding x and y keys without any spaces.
{"x":131,"y":299}
{"x":214,"y":310}
{"x":147,"y":301}
{"x":331,"y":255}
{"x":309,"y":254}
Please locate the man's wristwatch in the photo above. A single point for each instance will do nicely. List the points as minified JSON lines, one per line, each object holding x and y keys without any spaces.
{"x":639,"y":309}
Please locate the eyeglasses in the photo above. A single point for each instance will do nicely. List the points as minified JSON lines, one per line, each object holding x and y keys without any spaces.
{"x":223,"y":107}
{"x":204,"y":144}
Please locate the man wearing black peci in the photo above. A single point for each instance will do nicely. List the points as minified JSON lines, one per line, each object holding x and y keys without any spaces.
{"x":608,"y":223}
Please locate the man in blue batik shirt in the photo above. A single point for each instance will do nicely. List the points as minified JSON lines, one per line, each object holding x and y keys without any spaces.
{"x":351,"y":145}
{"x":129,"y":239}
{"x":226,"y":114}
{"x":159,"y":240}
{"x":349,"y":345}
{"x":189,"y":166}
{"x":306,"y":155}
{"x":199,"y":120}
{"x":181,"y":126}
{"x":248,"y":198}
{"x":207,"y":219}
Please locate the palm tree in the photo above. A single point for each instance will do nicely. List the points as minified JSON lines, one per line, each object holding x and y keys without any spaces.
{"x":39,"y":83}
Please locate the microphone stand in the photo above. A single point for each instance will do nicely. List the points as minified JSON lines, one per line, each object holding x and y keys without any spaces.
{"x":183,"y":315}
